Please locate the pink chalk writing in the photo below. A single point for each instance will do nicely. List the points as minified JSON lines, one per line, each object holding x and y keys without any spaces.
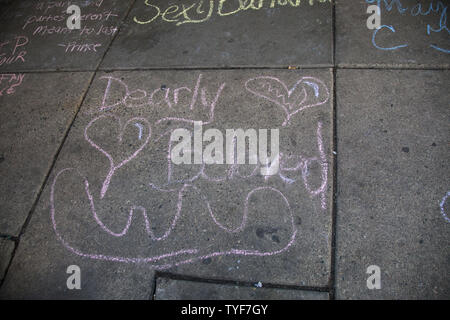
{"x":193,"y":252}
{"x":296,"y":170}
{"x":159,"y":97}
{"x":49,"y":19}
{"x":62,"y":5}
{"x":12,"y":51}
{"x":9,"y":82}
{"x":293,"y":100}
{"x":81,"y":47}
{"x":113,"y":166}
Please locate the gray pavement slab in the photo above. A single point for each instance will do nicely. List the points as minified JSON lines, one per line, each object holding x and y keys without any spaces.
{"x":33,"y":125}
{"x":412,"y":33}
{"x":114,"y":200}
{"x":39,"y":271}
{"x":216,"y":33}
{"x":169,"y":289}
{"x":35,"y":36}
{"x":4,"y":5}
{"x":6,"y":250}
{"x":393,"y":175}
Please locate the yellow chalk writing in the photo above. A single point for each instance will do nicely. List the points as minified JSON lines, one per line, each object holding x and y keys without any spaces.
{"x":201,"y":11}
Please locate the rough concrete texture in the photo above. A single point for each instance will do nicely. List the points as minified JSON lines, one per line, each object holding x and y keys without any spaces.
{"x":39,"y":271}
{"x":35,"y":36}
{"x":215,"y":221}
{"x":162,"y":34}
{"x":99,"y":190}
{"x":4,"y":5}
{"x":393,"y":174}
{"x":412,"y":33}
{"x":168,"y":289}
{"x":6,"y":249}
{"x":31,"y":130}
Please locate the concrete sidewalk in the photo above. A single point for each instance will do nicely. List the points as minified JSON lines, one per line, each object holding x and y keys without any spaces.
{"x":85,"y":153}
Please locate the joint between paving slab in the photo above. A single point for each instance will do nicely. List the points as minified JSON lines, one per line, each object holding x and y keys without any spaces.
{"x":153,"y":291}
{"x":44,"y":183}
{"x":392,"y":67}
{"x":333,"y":251}
{"x":332,"y":279}
{"x":115,"y":35}
{"x":333,"y":34}
{"x":181,"y":68}
{"x":187,"y":68}
{"x":65,"y":135}
{"x":292,"y":68}
{"x":174,"y":276}
{"x":249,"y":68}
{"x":41,"y":188}
{"x":2,"y":280}
{"x":8,"y":237}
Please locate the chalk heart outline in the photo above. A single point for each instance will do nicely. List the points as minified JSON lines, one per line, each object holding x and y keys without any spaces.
{"x":193,"y":254}
{"x":273,"y":94}
{"x":112,"y":166}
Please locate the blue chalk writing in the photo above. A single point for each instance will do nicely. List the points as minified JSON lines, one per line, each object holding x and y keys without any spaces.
{"x":383,"y":48}
{"x":418,"y":9}
{"x":442,"y":204}
{"x":314,"y":86}
{"x":140,"y":129}
{"x":442,"y":27}
{"x":389,"y":6}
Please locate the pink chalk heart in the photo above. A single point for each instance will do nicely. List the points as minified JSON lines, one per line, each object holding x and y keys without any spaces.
{"x":306,"y":93}
{"x":114,"y":164}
